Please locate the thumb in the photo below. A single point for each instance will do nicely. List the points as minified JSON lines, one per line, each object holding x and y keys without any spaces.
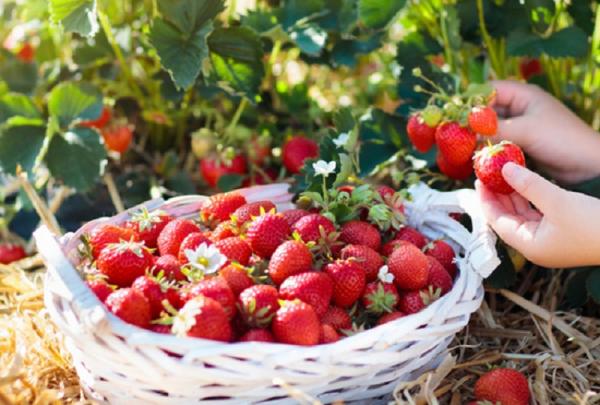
{"x":546,"y":196}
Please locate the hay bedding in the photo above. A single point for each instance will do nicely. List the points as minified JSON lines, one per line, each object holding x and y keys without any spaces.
{"x":558,"y":351}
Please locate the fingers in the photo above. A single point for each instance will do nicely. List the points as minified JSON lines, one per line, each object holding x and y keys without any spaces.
{"x":513,"y":98}
{"x":546,"y":196}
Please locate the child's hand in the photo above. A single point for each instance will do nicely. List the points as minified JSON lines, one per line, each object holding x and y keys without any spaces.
{"x":563,"y":233}
{"x":565,"y":146}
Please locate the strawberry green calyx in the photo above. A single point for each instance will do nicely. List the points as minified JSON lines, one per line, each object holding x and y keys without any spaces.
{"x":432,"y":115}
{"x":135,"y":247}
{"x":381,"y":301}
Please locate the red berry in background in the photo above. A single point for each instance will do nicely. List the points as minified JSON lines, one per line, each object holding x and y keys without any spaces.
{"x":296,"y":323}
{"x":313,"y":288}
{"x":254,"y":209}
{"x":530,"y":68}
{"x":257,"y":335}
{"x":409,"y":266}
{"x":389,"y":317}
{"x":258,"y":304}
{"x":421,"y":135}
{"x":385,"y":191}
{"x":148,"y":225}
{"x":219,"y":207}
{"x":328,"y":334}
{"x":170,"y":238}
{"x":296,"y":151}
{"x":99,"y":122}
{"x":131,"y":306}
{"x":215,"y":288}
{"x":291,"y":257}
{"x":411,"y":235}
{"x":338,"y":318}
{"x":237,"y":278}
{"x":483,"y":121}
{"x":489,"y":161}
{"x":444,"y":254}
{"x":123,"y":262}
{"x":169,"y":265}
{"x":503,"y":385}
{"x":104,"y":235}
{"x":117,"y":138}
{"x":438,"y":277}
{"x":203,"y":317}
{"x":361,"y":233}
{"x":259,"y":150}
{"x":152,"y":290}
{"x":380,"y":297}
{"x":100,"y":288}
{"x":11,"y":252}
{"x":26,"y":53}
{"x":212,"y":170}
{"x":349,"y":281}
{"x":266,"y":233}
{"x":456,"y":143}
{"x":460,"y":172}
{"x":365,"y":257}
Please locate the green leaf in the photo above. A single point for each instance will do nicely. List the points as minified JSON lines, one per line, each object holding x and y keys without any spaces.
{"x":479,"y":89}
{"x":236,"y":54}
{"x":345,"y":170}
{"x":344,"y":120}
{"x":181,"y":183}
{"x":77,"y":157}
{"x":75,"y":15}
{"x":13,"y":104}
{"x":345,"y":52}
{"x":181,"y":55}
{"x":20,"y":145}
{"x":568,"y":42}
{"x":576,"y":291}
{"x":380,"y":134}
{"x":190,"y":16}
{"x":229,"y":182}
{"x":295,"y":10}
{"x":378,"y":13}
{"x":74,"y":101}
{"x":309,"y":38}
{"x":593,"y":284}
{"x":20,"y":77}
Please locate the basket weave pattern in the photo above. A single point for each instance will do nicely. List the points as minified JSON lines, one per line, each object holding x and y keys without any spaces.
{"x":120,"y":363}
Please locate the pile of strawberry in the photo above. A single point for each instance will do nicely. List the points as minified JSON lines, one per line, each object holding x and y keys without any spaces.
{"x":245,"y":272}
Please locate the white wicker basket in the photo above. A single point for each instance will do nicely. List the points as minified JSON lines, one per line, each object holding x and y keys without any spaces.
{"x":122,"y":364}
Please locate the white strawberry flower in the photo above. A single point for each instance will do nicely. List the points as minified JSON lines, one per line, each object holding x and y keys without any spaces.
{"x":186,"y":318}
{"x":384,"y":275}
{"x":342,"y":140}
{"x":323,"y":168}
{"x":205,"y":258}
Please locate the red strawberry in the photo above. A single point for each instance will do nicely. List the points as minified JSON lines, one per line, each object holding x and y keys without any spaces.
{"x":503,"y":385}
{"x":385,"y":191}
{"x":412,"y":302}
{"x":107,"y":234}
{"x":444,"y":254}
{"x":313,"y":227}
{"x":99,"y":122}
{"x":328,"y":335}
{"x":225,"y":230}
{"x":191,"y":242}
{"x":337,"y":317}
{"x":235,"y":249}
{"x":173,"y":295}
{"x":530,"y":67}
{"x":259,"y":150}
{"x":162,"y":329}
{"x":361,"y":233}
{"x":313,"y":288}
{"x":258,"y":335}
{"x":100,"y":288}
{"x":267,"y":232}
{"x":296,"y":151}
{"x":483,"y":121}
{"x":10,"y":252}
{"x":460,"y":172}
{"x":123,"y":262}
{"x":215,"y":288}
{"x":292,"y":216}
{"x":380,"y":297}
{"x":148,"y":225}
{"x":411,"y":235}
{"x":26,"y":53}
{"x":296,"y":323}
{"x":438,"y":276}
{"x":389,"y":317}
{"x":421,"y":135}
{"x":364,"y":256}
{"x":219,"y":207}
{"x":169,"y":265}
{"x":131,"y":306}
{"x":258,"y":304}
{"x":170,"y":238}
{"x":291,"y":257}
{"x":489,"y":162}
{"x":237,"y":278}
{"x":117,"y":137}
{"x":348,"y":282}
{"x":212,"y":170}
{"x":153,"y":292}
{"x":409,"y":266}
{"x":456,"y":143}
{"x":203,"y":317}
{"x":245,"y":213}
{"x":389,"y":247}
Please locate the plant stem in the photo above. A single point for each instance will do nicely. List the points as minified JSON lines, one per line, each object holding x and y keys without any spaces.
{"x":447,"y":50}
{"x":237,"y":115}
{"x":39,"y":205}
{"x":489,"y":43}
{"x":113,"y":192}
{"x":51,"y":130}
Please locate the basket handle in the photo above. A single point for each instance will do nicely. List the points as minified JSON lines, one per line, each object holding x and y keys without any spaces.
{"x":481,"y":256}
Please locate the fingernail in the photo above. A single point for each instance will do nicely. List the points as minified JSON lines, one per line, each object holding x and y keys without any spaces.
{"x":512,"y":171}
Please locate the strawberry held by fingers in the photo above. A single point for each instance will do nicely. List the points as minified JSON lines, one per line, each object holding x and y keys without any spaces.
{"x":489,"y":161}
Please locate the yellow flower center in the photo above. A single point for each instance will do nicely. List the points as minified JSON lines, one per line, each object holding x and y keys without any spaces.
{"x":202,"y":261}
